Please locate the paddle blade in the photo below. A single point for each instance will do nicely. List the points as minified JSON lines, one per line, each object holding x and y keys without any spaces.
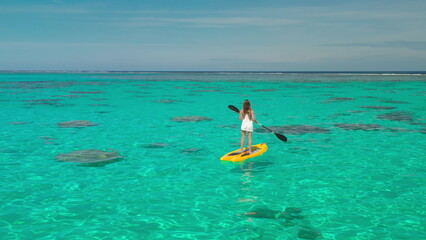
{"x":281,"y":137}
{"x":233,"y":108}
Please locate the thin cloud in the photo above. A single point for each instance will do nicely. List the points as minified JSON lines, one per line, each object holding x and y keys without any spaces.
{"x":45,"y":9}
{"x":372,"y":14}
{"x":212,"y":22}
{"x":412,"y":45}
{"x":50,"y":44}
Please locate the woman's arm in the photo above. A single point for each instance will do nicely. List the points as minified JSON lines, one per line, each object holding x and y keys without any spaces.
{"x":241,"y":115}
{"x":253,"y":117}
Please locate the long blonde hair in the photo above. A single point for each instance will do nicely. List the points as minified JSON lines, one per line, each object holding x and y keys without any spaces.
{"x":247,"y":109}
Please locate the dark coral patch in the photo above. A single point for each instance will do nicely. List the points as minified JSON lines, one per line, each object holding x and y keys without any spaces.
{"x":48,"y":140}
{"x":191,"y":119}
{"x":289,"y":213}
{"x":295,"y":129}
{"x":378,"y":107}
{"x":293,"y":210}
{"x":18,"y":123}
{"x":397,"y":116}
{"x":100,"y":105}
{"x":208,"y":90}
{"x":155,"y":145}
{"x":310,"y":234}
{"x":167,"y":101}
{"x":76,"y":124}
{"x":391,"y":101}
{"x":340,"y":114}
{"x":37,"y":84}
{"x":89,"y":156}
{"x":86,"y":92}
{"x":360,"y":126}
{"x":341,"y":99}
{"x":418,"y":124}
{"x":191,"y":150}
{"x":368,"y":97}
{"x":96,"y":83}
{"x":265,"y":90}
{"x":264,"y":213}
{"x":69,"y":96}
{"x":43,"y":101}
{"x":398,"y":130}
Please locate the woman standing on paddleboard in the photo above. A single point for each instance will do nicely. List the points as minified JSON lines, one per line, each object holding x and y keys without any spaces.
{"x":247,"y":116}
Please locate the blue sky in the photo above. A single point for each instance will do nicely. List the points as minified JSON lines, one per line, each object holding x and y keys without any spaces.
{"x":213,"y":35}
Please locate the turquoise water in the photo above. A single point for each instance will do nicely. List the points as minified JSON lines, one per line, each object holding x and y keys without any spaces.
{"x":353,"y":167}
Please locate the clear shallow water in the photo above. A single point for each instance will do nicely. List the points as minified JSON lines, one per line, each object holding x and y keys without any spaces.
{"x":353,"y":165}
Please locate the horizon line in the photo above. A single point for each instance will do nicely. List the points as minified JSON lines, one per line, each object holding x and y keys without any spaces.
{"x":216,"y":71}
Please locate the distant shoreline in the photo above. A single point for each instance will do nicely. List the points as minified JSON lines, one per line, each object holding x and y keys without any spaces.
{"x":222,"y":72}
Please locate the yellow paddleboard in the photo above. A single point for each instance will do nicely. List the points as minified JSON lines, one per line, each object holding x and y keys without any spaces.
{"x":237,"y":155}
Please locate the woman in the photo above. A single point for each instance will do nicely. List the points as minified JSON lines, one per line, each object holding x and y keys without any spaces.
{"x":247,"y":116}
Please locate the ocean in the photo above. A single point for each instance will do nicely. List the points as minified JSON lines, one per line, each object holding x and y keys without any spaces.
{"x":136,"y":155}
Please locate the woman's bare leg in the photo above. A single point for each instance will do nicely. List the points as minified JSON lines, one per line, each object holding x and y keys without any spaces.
{"x":243,"y":139}
{"x":250,"y":140}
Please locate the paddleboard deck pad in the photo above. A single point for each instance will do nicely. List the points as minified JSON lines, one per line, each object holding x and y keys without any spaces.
{"x":237,"y":155}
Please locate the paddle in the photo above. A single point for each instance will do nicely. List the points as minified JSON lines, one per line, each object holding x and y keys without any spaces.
{"x":279,"y":136}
